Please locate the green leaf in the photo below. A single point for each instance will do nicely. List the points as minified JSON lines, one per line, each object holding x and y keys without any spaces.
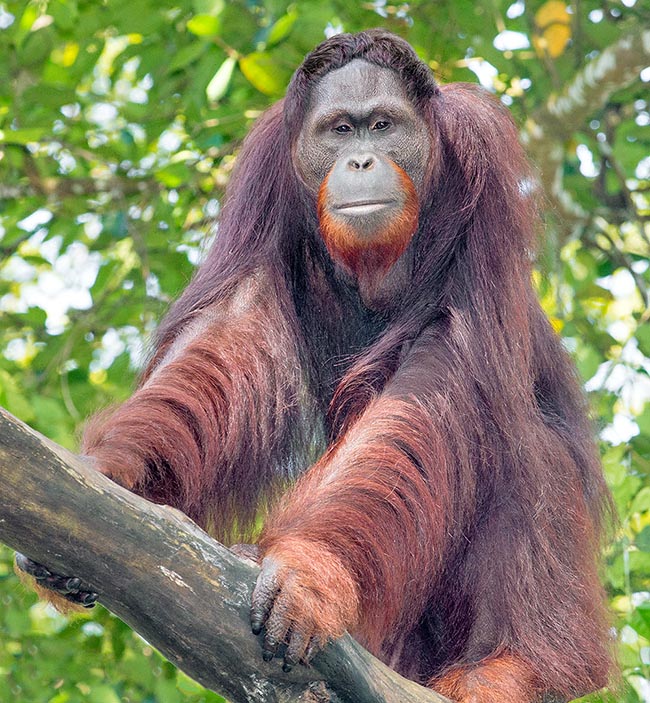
{"x":27,"y":20}
{"x":103,"y":694}
{"x":187,"y":55}
{"x":643,"y":338}
{"x":204,"y":25}
{"x":13,"y":399}
{"x":166,"y":691}
{"x":115,"y":224}
{"x":22,"y":136}
{"x":641,"y":502}
{"x":641,"y":620}
{"x":623,"y":485}
{"x":37,"y":46}
{"x":643,"y":420}
{"x":65,"y":13}
{"x":208,"y":7}
{"x":34,"y":318}
{"x":17,"y":623}
{"x":261,"y":72}
{"x":642,"y":540}
{"x":282,"y":28}
{"x":173,"y":175}
{"x":218,"y":86}
{"x":588,"y":359}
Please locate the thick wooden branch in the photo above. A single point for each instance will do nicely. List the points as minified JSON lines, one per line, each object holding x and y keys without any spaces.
{"x":153,"y":567}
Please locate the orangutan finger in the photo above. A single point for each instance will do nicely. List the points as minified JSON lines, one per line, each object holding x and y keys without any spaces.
{"x":277,"y":626}
{"x":297,"y":645}
{"x":266,"y":589}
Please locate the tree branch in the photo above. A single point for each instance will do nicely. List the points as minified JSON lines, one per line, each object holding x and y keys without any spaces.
{"x":153,"y":567}
{"x":59,"y":188}
{"x":546,"y":132}
{"x":614,"y":68}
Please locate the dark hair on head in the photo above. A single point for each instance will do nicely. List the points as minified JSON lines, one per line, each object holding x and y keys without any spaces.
{"x":377,"y":46}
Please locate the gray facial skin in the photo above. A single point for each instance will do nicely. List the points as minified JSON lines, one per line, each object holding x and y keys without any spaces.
{"x":360,"y":125}
{"x":361,"y":109}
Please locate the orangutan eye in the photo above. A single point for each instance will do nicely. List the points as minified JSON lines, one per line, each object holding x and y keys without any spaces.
{"x":342,"y":129}
{"x":381,"y":125}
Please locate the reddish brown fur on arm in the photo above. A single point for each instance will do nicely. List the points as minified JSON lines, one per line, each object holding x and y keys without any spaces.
{"x":378,"y":501}
{"x":212,"y":418}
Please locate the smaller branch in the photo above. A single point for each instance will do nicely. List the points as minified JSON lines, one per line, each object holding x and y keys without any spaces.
{"x":623,"y":260}
{"x":551,"y":127}
{"x":617,"y":66}
{"x":60,"y":188}
{"x":606,"y":151}
{"x":11,"y":249}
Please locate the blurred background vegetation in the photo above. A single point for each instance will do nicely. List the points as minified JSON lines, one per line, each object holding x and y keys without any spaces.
{"x":119,"y":124}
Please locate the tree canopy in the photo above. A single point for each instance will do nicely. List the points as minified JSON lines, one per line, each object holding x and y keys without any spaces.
{"x":119,"y":126}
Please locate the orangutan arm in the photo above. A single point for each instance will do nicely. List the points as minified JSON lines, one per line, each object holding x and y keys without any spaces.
{"x":363,"y":531}
{"x":207,"y":429}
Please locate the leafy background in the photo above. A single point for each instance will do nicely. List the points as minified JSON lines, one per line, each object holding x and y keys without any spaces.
{"x":119,"y":125}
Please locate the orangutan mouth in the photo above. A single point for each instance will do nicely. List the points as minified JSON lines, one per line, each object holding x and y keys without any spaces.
{"x":363,"y":207}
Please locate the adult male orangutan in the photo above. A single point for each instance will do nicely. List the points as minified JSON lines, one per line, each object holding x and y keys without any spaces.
{"x":364,"y":330}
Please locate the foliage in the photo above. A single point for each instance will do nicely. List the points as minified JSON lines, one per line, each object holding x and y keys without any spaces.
{"x":45,"y":657}
{"x":119,"y":123}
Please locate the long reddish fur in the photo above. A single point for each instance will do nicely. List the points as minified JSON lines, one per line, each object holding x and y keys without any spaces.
{"x":453,"y":511}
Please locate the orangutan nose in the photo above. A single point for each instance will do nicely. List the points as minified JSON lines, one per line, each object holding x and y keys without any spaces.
{"x":361,"y":162}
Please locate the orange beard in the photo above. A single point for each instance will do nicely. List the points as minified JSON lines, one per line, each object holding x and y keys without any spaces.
{"x":368,"y":258}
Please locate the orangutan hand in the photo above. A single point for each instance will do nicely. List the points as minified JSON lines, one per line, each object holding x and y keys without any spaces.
{"x":70,"y":588}
{"x":304,"y":597}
